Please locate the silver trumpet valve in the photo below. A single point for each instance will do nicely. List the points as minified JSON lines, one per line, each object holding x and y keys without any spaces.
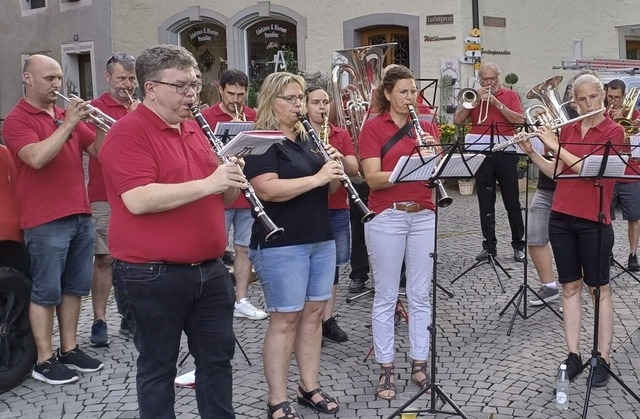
{"x":98,"y":118}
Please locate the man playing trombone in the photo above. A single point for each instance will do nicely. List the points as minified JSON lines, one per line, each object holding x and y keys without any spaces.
{"x":46,"y":144}
{"x":502,"y":107}
{"x":116,"y":102}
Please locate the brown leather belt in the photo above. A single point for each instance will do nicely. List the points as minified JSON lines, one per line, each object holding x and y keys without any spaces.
{"x":408,"y":207}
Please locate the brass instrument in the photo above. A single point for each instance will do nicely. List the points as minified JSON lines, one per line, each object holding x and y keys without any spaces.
{"x":346,"y":182}
{"x":551,"y":112}
{"x":628,"y":106}
{"x":272,"y":231}
{"x":444,"y":200}
{"x":357,"y":73}
{"x":101,"y":120}
{"x":239,"y":115}
{"x":469,"y":98}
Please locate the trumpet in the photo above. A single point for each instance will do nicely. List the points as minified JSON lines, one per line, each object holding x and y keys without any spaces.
{"x":272,"y":231}
{"x":554,"y":126}
{"x":101,"y":120}
{"x":346,"y":182}
{"x":239,"y":115}
{"x":444,"y":200}
{"x":469,"y":98}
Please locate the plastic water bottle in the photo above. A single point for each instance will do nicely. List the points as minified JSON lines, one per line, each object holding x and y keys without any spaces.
{"x":562,"y":389}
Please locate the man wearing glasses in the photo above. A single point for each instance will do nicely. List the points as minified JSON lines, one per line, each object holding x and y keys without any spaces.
{"x":167,"y":193}
{"x":504,"y":109}
{"x":117,"y":102}
{"x":46,"y":144}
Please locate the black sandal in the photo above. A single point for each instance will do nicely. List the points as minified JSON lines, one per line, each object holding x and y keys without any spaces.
{"x":420,"y":369}
{"x":286,"y":409}
{"x":387,"y":385}
{"x":322,"y":406}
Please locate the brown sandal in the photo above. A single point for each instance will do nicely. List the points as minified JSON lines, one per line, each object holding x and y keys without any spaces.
{"x":387,"y":385}
{"x":420,"y":369}
{"x":287,"y":411}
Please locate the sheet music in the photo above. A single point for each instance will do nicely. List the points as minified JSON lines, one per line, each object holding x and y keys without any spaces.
{"x":634,"y":141}
{"x":414,"y":168}
{"x":456,"y":168}
{"x":615,"y":166}
{"x":477,"y":142}
{"x":232,"y":128}
{"x":251,"y":143}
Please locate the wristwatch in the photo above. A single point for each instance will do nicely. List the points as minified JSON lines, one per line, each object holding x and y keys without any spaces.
{"x":501,"y":106}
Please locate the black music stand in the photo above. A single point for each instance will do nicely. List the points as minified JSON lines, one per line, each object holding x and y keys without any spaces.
{"x":521,"y":293}
{"x":475,"y":143}
{"x":597,"y":167}
{"x":227,"y":130}
{"x":410,"y":169}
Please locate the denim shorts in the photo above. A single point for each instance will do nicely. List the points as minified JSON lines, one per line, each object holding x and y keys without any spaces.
{"x":242,"y":222}
{"x":292,"y":275}
{"x":61,"y":258}
{"x":340,"y":223}
{"x":538,"y":218}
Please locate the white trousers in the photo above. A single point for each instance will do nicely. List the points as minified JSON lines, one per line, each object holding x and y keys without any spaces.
{"x":391,"y":237}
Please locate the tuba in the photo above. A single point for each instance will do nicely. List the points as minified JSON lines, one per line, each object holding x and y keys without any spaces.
{"x":357,"y":72}
{"x":628,"y":106}
{"x":551,"y":111}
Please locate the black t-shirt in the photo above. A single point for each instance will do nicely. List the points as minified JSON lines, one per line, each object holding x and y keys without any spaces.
{"x":544,"y":181}
{"x":305,"y":218}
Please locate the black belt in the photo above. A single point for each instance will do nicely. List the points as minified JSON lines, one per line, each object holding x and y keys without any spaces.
{"x":187,"y":264}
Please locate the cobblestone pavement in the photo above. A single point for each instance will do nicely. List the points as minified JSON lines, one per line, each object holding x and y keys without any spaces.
{"x":485,"y":371}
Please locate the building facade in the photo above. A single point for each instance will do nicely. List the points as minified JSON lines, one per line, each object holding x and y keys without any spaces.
{"x":434,"y":39}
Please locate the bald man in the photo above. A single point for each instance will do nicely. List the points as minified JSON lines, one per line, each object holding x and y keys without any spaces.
{"x":46,"y":145}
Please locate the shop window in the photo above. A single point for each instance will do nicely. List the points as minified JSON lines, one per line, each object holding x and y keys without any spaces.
{"x":272,"y":47}
{"x":38,"y":4}
{"x":208,"y":44}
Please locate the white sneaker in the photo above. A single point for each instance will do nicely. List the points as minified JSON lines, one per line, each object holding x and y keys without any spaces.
{"x":186,"y":380}
{"x":245,"y":309}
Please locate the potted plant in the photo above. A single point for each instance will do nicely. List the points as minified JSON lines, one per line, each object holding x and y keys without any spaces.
{"x":511,"y":79}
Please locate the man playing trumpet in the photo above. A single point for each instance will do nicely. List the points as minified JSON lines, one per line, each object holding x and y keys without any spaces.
{"x":626,"y":192}
{"x":116,"y":102}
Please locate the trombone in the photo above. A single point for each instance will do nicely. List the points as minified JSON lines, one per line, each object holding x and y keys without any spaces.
{"x":101,"y":120}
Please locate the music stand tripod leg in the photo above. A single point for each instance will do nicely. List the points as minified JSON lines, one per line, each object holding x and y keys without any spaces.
{"x":624,"y":270}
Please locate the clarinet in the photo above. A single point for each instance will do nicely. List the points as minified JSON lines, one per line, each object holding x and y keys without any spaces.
{"x":272,"y":231}
{"x":444,"y":200}
{"x":346,"y":182}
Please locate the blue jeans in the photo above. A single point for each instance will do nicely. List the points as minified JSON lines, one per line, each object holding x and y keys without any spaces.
{"x":61,"y":258}
{"x":165,"y":300}
{"x":340,"y":223}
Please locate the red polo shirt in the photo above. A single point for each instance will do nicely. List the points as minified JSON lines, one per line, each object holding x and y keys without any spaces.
{"x":215,"y":114}
{"x":375,"y":133}
{"x":142,"y":149}
{"x":57,"y":190}
{"x":579,"y":197}
{"x":510,"y":100}
{"x":95,"y":187}
{"x":341,"y":141}
{"x":9,"y":214}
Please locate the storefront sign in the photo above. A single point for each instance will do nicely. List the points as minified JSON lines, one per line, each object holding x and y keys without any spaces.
{"x":199,"y":36}
{"x":439,"y":19}
{"x":499,"y":22}
{"x":272,"y":30}
{"x":428,"y":38}
{"x":496,"y":52}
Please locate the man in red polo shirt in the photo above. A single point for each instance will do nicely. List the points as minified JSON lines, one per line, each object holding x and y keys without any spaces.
{"x":46,"y":144}
{"x":504,"y":108}
{"x":233,"y":90}
{"x":626,"y":193}
{"x":166,"y":234}
{"x":116,"y":102}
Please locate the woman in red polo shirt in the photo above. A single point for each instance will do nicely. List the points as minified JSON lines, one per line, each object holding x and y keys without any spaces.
{"x":403,"y":229}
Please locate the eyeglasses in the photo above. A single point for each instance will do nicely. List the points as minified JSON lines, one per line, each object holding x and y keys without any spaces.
{"x":489,"y":79}
{"x":292,"y":99}
{"x":116,"y":58}
{"x":182,"y":89}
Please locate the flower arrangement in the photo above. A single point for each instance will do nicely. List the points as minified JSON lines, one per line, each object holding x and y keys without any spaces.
{"x":448,"y":133}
